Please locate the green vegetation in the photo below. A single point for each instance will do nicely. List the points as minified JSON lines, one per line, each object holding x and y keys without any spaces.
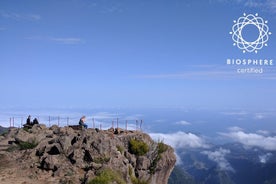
{"x":12,"y":148}
{"x":70,"y":172}
{"x":22,"y":145}
{"x":137,"y":147}
{"x":107,"y":176}
{"x":26,"y":129}
{"x":101,"y":160}
{"x":135,"y":180}
{"x":121,"y":149}
{"x":66,"y":181}
{"x":27,"y":145}
{"x":153,"y":165}
{"x":4,"y":133}
{"x":161,"y":148}
{"x":82,"y":180}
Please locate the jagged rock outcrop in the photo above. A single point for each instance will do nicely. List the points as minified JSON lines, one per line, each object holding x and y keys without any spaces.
{"x":63,"y":155}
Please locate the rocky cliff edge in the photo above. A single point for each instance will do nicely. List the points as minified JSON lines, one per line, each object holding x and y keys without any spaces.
{"x":64,"y":155}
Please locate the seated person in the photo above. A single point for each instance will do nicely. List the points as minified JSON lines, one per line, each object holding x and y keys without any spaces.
{"x":35,"y":121}
{"x":29,"y":121}
{"x":81,"y":122}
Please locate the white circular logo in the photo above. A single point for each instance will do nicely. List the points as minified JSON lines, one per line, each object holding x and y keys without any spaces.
{"x":238,"y":34}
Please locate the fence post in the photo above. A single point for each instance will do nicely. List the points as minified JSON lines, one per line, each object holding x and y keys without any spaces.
{"x":12,"y":121}
{"x":49,"y":121}
{"x":126,"y":126}
{"x":141,"y":125}
{"x":117,"y":123}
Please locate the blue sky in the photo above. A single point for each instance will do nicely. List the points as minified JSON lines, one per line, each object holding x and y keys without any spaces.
{"x":147,"y":53}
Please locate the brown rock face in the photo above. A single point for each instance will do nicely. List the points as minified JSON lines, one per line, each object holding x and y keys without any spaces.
{"x":64,"y":155}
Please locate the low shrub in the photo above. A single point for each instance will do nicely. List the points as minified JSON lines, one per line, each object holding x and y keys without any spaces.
{"x":101,"y":160}
{"x":121,"y":149}
{"x":107,"y":176}
{"x":27,"y":145}
{"x":138,"y":147}
{"x":135,"y":180}
{"x":12,"y":148}
{"x":161,"y":147}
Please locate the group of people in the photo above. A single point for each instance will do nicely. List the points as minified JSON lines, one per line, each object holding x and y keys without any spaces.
{"x":30,"y":123}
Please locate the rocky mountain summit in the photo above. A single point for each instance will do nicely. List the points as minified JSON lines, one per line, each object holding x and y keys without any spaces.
{"x":64,"y":155}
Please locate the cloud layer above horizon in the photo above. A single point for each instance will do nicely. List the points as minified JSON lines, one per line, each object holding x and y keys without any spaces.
{"x":258,"y":139}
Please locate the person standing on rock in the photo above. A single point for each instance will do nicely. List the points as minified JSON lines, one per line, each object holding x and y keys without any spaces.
{"x":82,"y":122}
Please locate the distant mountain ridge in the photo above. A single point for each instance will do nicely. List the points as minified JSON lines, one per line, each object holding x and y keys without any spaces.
{"x":3,"y":129}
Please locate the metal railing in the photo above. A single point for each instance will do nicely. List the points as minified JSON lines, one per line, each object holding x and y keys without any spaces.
{"x":126,"y":124}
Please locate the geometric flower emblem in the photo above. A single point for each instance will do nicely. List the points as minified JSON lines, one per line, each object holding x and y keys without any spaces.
{"x":249,"y":45}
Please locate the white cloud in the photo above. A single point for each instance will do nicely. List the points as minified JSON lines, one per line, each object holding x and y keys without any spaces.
{"x":222,"y":73}
{"x":235,"y":113}
{"x":134,"y":117}
{"x":259,"y":116}
{"x":160,"y":121}
{"x":68,"y":40}
{"x":264,"y":158}
{"x":20,"y":17}
{"x":34,"y":17}
{"x":252,"y":139}
{"x":190,"y":75}
{"x":180,"y":140}
{"x":235,"y":128}
{"x":252,"y":3}
{"x":263,"y":132}
{"x":265,"y":5}
{"x":105,"y":115}
{"x":183,"y":123}
{"x":61,"y":40}
{"x":272,"y":4}
{"x":218,"y":156}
